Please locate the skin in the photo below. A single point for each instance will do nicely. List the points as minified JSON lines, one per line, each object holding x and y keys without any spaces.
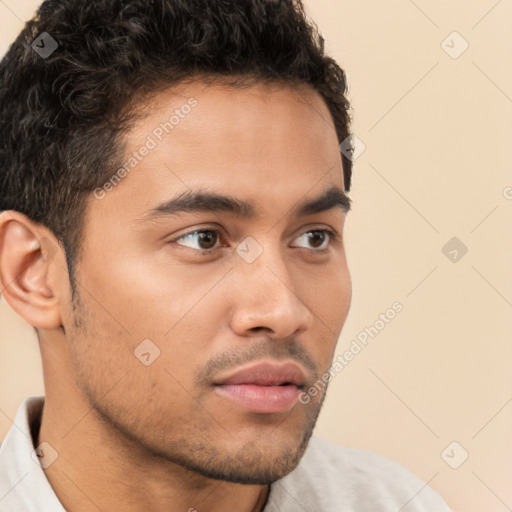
{"x":159,"y":437}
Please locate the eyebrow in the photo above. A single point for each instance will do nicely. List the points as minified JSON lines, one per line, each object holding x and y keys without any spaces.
{"x":198,"y":201}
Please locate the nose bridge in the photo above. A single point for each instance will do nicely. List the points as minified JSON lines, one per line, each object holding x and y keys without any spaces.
{"x":269,"y":269}
{"x":267,"y":295}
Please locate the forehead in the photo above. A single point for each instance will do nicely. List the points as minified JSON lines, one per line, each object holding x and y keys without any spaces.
{"x":238,"y":140}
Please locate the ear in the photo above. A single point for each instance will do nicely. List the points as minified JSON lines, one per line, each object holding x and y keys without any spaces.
{"x":27,"y":264}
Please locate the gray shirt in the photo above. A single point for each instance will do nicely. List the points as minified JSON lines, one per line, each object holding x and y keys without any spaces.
{"x":329,"y":478}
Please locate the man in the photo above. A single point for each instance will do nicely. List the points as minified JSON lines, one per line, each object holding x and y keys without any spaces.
{"x":173,"y":200}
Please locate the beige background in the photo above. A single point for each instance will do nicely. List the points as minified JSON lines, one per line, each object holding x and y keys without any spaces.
{"x":437,"y":132}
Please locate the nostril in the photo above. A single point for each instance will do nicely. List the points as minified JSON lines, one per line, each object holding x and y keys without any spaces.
{"x":258,"y":329}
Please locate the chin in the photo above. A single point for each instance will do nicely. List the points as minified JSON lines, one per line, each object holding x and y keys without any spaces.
{"x":255,"y":468}
{"x":261,"y":462}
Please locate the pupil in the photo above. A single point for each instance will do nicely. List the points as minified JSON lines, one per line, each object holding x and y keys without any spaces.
{"x":316,"y":238}
{"x":207,"y":239}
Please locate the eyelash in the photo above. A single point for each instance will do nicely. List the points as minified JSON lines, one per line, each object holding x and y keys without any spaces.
{"x":205,"y":252}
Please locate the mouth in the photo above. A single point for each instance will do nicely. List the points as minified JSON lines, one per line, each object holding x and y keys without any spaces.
{"x":263,"y":388}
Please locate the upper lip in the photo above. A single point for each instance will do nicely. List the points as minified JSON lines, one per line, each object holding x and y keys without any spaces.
{"x":266,"y":374}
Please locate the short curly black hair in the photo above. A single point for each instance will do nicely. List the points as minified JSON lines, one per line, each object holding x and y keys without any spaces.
{"x":62,"y":115}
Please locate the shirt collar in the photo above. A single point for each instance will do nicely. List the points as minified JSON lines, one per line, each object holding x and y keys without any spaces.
{"x":23,"y":483}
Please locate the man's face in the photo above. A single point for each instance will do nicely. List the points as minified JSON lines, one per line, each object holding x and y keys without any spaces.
{"x":174,"y":303}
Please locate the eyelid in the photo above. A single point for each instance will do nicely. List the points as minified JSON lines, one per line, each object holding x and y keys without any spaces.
{"x":197,"y":229}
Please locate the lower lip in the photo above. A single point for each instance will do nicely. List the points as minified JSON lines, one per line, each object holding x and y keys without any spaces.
{"x":262,"y":399}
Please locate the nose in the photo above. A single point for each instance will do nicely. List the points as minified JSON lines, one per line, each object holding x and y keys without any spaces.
{"x":266,"y":300}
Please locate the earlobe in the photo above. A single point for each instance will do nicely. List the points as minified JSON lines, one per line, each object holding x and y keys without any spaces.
{"x":27,"y":262}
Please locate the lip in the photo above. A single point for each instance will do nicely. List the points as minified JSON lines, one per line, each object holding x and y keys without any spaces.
{"x":265,"y":387}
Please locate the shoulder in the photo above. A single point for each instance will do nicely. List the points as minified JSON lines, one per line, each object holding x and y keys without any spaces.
{"x":334,"y":478}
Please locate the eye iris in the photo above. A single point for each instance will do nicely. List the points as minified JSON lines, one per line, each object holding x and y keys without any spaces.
{"x":316,"y":238}
{"x":207,"y":239}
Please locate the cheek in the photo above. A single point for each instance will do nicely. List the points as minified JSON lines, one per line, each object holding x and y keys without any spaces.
{"x":329,"y":300}
{"x":151,"y":293}
{"x":126,"y":376}
{"x":328,"y":293}
{"x":178,"y":308}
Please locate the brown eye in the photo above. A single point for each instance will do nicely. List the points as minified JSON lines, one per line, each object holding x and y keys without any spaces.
{"x":205,"y":239}
{"x":318,"y":239}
